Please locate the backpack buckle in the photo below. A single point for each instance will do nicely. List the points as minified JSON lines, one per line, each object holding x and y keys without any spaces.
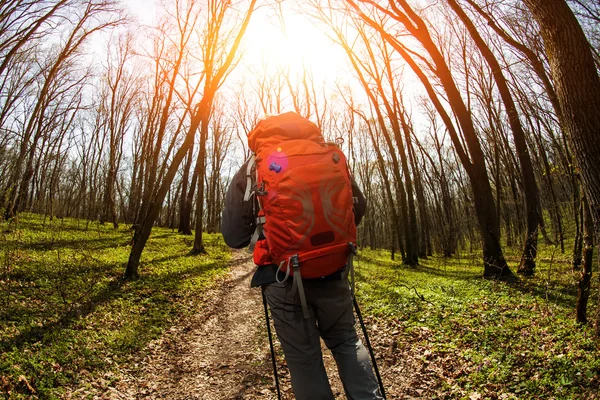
{"x":353,"y":248}
{"x":259,"y":189}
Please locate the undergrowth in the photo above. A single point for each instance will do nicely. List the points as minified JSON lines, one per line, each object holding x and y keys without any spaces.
{"x":66,"y":314}
{"x":480,"y":339}
{"x":68,"y":318}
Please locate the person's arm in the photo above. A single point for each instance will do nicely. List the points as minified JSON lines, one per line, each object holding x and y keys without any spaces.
{"x":238,"y":221}
{"x":360,"y":205}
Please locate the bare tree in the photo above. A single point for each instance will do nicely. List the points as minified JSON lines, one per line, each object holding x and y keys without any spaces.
{"x":214,"y":73}
{"x":446,"y":221}
{"x":378,"y":80}
{"x":404,"y":15}
{"x":577,"y":87}
{"x":89,"y":22}
{"x":22,"y":22}
{"x":532,"y":54}
{"x":118,"y":103}
{"x":585,"y":278}
{"x":218,"y":61}
{"x":527,"y":265}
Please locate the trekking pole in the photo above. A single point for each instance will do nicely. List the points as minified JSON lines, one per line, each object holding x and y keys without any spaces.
{"x":364,"y":330}
{"x":271,"y":343}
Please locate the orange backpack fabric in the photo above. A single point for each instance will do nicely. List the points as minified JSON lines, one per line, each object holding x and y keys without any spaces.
{"x":304,"y":191}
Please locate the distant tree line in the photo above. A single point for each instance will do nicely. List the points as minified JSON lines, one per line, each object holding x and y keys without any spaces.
{"x":470,"y":124}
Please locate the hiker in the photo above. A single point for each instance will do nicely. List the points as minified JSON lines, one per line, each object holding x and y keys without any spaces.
{"x":308,"y":291}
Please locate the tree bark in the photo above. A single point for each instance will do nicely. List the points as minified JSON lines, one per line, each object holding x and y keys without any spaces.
{"x":495,"y":265}
{"x":585,"y":277}
{"x":201,"y":172}
{"x":185,"y":206}
{"x":578,"y":89}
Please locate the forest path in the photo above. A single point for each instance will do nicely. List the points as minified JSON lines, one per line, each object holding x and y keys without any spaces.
{"x":221,"y":353}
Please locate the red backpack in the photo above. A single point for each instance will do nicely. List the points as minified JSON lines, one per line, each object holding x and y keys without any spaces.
{"x":304,"y":195}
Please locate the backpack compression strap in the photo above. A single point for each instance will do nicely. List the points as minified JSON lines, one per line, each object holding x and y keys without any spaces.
{"x":297,"y":284}
{"x":350,"y":267}
{"x":251,"y":189}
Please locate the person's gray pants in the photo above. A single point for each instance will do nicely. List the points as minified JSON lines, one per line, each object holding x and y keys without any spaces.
{"x":332,"y":318}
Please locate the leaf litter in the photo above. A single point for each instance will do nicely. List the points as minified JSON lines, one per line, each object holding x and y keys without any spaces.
{"x":222,"y":352}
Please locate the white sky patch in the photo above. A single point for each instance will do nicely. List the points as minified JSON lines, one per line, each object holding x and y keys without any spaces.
{"x":143,"y":10}
{"x":297,"y":45}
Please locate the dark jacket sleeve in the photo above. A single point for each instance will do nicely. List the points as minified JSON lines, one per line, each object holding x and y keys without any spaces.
{"x":360,"y":204}
{"x":238,"y":221}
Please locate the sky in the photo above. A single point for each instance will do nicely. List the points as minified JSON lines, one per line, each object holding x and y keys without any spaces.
{"x":301,"y":43}
{"x":144,"y":10}
{"x":267,"y":45}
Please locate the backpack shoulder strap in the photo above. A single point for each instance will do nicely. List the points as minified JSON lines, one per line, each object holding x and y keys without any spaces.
{"x":249,"y":177}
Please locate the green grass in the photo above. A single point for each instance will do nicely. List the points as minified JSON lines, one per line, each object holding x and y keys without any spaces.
{"x":66,"y":312}
{"x":67,"y":318}
{"x":485,"y":337}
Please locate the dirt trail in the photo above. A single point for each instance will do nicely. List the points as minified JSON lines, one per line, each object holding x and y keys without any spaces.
{"x":222,"y":353}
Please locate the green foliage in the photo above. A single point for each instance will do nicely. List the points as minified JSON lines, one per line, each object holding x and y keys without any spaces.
{"x":67,"y":317}
{"x":66,"y":312}
{"x":484,"y":338}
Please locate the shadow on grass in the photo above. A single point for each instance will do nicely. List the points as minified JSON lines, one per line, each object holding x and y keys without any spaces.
{"x":68,"y":270}
{"x":451,"y":272}
{"x":557,"y":293}
{"x":162,"y":286}
{"x":35,"y":221}
{"x":34,"y":334}
{"x":165,"y":259}
{"x":76,"y":244}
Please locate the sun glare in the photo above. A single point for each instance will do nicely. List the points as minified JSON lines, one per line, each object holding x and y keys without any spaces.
{"x":290,"y":43}
{"x":143,"y":10}
{"x":293,"y":47}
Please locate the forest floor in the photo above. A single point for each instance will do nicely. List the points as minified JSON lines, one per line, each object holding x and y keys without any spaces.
{"x":192,"y":328}
{"x":220,"y":353}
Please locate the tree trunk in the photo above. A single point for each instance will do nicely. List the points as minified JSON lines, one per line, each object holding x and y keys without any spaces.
{"x":201,"y":172}
{"x":527,"y":265}
{"x":144,"y":226}
{"x":577,"y":217}
{"x":555,"y":212}
{"x":413,"y":232}
{"x":424,"y":241}
{"x":185,"y":206}
{"x":109,"y":212}
{"x":597,"y":330}
{"x":578,"y":90}
{"x":585,"y":278}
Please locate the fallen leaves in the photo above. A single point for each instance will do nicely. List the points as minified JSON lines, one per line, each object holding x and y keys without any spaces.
{"x":23,"y":380}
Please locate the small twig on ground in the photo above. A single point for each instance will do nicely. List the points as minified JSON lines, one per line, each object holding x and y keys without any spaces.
{"x":419,"y":295}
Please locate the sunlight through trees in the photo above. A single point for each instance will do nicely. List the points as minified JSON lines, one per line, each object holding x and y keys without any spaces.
{"x":471,"y":125}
